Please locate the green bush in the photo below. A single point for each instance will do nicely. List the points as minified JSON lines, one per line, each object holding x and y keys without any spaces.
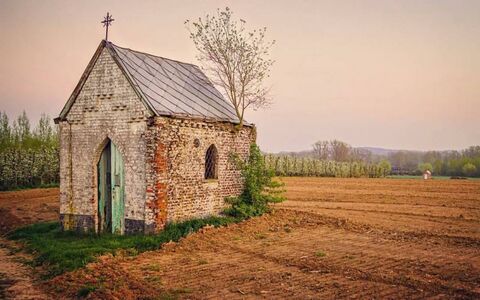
{"x":260,"y":188}
{"x":422,"y":167}
{"x":469,"y":169}
{"x":385,"y":167}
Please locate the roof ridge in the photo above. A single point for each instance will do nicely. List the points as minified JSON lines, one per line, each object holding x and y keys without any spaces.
{"x":165,"y":83}
{"x":108,"y":43}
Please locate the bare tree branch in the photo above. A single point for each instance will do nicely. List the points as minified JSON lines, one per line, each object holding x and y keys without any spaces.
{"x":237,"y":61}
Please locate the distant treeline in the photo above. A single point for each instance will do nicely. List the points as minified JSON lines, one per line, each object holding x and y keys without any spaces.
{"x":444,"y":163}
{"x":327,"y":156}
{"x":28,"y":157}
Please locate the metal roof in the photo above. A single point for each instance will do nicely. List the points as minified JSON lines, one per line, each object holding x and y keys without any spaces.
{"x":173,"y":88}
{"x":166,"y":87}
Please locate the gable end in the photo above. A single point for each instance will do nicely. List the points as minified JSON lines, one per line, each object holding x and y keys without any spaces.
{"x":86,"y":74}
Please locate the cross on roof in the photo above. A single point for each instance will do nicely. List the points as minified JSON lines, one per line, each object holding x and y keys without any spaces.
{"x":107,"y":21}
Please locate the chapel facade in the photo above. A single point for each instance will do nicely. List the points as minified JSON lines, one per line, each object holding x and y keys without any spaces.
{"x":146,"y":140}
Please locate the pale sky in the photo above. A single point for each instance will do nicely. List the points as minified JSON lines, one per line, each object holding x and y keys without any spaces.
{"x":393,"y":74}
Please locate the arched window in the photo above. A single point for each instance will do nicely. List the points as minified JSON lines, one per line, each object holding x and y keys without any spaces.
{"x":211,"y":158}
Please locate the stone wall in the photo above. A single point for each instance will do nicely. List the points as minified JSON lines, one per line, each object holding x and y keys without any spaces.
{"x":106,"y":107}
{"x":178,"y":168}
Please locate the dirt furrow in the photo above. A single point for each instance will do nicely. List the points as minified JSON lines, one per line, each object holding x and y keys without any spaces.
{"x":16,"y":280}
{"x":453,"y":220}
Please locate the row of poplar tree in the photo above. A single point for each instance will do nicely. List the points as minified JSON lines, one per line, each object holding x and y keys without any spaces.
{"x":288,"y":165}
{"x":29,"y":157}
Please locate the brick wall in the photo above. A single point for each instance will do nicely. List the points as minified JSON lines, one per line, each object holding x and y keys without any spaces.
{"x":180,"y":167}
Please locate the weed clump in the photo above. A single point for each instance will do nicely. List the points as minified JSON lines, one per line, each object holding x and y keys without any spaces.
{"x":260,"y":187}
{"x":86,"y":290}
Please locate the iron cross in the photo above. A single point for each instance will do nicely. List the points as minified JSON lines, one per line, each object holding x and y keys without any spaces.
{"x":107,"y":21}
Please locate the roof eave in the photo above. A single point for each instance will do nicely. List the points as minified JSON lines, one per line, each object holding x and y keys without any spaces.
{"x":203,"y":119}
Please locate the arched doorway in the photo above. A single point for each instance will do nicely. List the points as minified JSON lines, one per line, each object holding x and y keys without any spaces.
{"x":111,"y":190}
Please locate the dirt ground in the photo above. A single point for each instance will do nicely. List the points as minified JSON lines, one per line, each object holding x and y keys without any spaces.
{"x":17,"y":209}
{"x":20,"y":208}
{"x":333,"y":238}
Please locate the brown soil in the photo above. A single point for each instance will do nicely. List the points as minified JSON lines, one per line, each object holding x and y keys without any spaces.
{"x":20,"y":208}
{"x":345,"y":238}
{"x":16,"y":280}
{"x":17,"y":209}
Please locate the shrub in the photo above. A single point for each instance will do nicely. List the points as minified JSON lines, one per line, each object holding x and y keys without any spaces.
{"x":469,"y":169}
{"x":260,"y":188}
{"x":385,"y":167}
{"x":422,"y":167}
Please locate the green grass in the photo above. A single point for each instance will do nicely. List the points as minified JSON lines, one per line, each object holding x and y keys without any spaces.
{"x":320,"y":254}
{"x":29,"y":187}
{"x":66,"y":251}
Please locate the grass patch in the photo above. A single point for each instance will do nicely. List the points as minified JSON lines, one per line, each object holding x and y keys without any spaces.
{"x":66,"y":251}
{"x":86,"y":290}
{"x":29,"y":187}
{"x":320,"y":254}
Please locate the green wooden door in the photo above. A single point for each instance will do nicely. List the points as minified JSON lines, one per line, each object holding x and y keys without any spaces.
{"x":118,"y":191}
{"x":111,"y":190}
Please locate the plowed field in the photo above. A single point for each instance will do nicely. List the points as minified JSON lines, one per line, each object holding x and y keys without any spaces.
{"x":344,"y":238}
{"x":19,"y":208}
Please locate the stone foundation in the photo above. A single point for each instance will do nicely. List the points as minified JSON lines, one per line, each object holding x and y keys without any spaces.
{"x":134,"y":226}
{"x":78,"y":223}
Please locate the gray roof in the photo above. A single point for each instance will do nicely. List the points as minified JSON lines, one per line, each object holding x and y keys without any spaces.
{"x":167,"y":87}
